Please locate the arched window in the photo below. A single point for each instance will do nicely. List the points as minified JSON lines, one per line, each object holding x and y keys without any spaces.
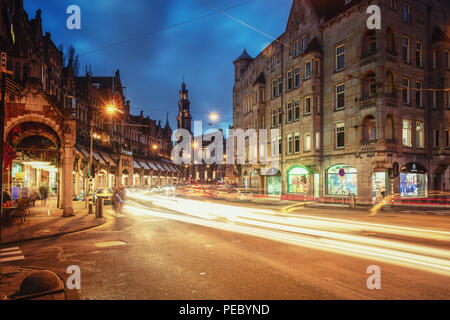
{"x":341,"y":180}
{"x":369,"y":43}
{"x":390,"y":38}
{"x":369,"y":85}
{"x":390,"y":84}
{"x":369,"y":129}
{"x":390,"y":128}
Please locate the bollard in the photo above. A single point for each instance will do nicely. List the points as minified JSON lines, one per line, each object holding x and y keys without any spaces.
{"x":99,"y":208}
{"x":352,"y":200}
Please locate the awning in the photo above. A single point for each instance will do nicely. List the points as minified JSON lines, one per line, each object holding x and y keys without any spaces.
{"x":144,"y":165}
{"x":160,"y":167}
{"x":136,"y":165}
{"x":152,"y":165}
{"x":108,"y":159}
{"x":85,"y":153}
{"x":97,"y":157}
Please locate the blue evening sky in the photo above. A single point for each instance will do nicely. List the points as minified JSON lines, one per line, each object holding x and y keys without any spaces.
{"x":152,"y":67}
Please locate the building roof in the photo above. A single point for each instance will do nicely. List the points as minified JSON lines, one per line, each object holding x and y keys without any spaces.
{"x":314,"y":46}
{"x":243,"y":56}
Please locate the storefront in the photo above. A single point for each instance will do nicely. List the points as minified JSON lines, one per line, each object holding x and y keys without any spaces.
{"x":342,"y":180}
{"x":413,"y":180}
{"x":273,"y":182}
{"x":245,"y":180}
{"x":298,"y":180}
{"x":254,"y":180}
{"x":378,"y":186}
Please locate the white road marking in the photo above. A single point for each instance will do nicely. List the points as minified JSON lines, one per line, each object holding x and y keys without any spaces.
{"x":12,"y":258}
{"x":11,"y":254}
{"x":9,"y":249}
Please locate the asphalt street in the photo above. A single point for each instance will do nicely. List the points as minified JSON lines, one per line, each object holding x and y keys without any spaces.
{"x":164,"y":248}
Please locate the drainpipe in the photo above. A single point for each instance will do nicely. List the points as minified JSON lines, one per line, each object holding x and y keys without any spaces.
{"x":321,"y":168}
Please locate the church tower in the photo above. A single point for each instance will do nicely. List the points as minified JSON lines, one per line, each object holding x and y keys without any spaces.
{"x":184,"y":115}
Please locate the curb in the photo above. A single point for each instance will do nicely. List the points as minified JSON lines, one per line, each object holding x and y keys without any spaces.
{"x":47,"y":236}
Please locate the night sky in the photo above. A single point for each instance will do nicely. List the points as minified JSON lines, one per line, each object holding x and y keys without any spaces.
{"x":152,"y":67}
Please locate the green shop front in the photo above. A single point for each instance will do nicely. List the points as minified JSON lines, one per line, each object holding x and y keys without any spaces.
{"x":298,"y":180}
{"x":273,"y":181}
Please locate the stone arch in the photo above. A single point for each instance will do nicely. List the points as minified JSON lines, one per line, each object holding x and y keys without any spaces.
{"x":12,"y":123}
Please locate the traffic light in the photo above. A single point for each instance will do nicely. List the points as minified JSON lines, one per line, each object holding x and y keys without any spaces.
{"x":3,"y":62}
{"x":395,"y":169}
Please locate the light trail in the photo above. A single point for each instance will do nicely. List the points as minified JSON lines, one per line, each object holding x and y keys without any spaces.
{"x":329,"y":234}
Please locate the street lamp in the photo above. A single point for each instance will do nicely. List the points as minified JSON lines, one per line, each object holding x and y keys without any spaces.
{"x":213,"y":117}
{"x":91,"y":123}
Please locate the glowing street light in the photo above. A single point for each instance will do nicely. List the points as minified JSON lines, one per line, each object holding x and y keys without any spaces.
{"x":155,"y":147}
{"x":213,"y":117}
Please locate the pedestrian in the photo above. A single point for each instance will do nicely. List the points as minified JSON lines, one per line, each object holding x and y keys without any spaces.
{"x":117,"y":200}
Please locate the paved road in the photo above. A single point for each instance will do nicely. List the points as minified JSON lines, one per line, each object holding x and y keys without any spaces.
{"x":158,"y":252}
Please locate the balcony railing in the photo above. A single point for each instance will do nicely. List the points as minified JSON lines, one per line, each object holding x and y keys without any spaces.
{"x":368,"y":57}
{"x":391,"y":99}
{"x":391,"y":145}
{"x":368,"y":145}
{"x":368,"y":101}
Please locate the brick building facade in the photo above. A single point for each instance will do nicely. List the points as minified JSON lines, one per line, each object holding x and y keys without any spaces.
{"x":359,"y":111}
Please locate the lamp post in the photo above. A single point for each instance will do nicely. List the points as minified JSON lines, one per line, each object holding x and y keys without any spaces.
{"x":90,"y":197}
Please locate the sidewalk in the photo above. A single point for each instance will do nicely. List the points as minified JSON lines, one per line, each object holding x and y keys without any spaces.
{"x":47,"y":221}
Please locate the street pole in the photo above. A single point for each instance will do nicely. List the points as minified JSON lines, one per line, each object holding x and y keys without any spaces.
{"x":2,"y":127}
{"x":91,"y":198}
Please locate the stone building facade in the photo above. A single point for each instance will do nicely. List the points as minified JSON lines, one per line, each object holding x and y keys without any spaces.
{"x":51,"y":114}
{"x":359,"y":111}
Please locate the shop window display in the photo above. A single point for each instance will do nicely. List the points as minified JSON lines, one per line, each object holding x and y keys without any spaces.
{"x":342,"y":180}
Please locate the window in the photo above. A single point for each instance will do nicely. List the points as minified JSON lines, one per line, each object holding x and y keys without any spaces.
{"x":317,"y":66}
{"x":340,"y":57}
{"x":307,"y":105}
{"x":296,"y":48}
{"x":340,"y":135}
{"x":340,"y":97}
{"x":419,"y":16}
{"x":308,"y":69}
{"x":297,"y":109}
{"x":406,"y":135}
{"x":393,"y":4}
{"x":405,"y":49}
{"x":390,"y":86}
{"x":406,"y":11}
{"x":297,"y":143}
{"x":273,"y":62}
{"x":318,"y":140}
{"x":405,"y":91}
{"x":289,"y":144}
{"x":307,"y":146}
{"x":274,"y":88}
{"x":390,"y":40}
{"x":420,"y":135}
{"x":419,"y":59}
{"x":255,"y":97}
{"x":436,"y":138}
{"x":262,"y":95}
{"x":280,"y":115}
{"x":290,"y":114}
{"x":303,"y":44}
{"x":280,"y":86}
{"x":297,"y":77}
{"x":274,"y":117}
{"x":274,"y":146}
{"x":419,"y":93}
{"x":447,"y":138}
{"x":280,"y":145}
{"x":390,"y":128}
{"x":435,"y":59}
{"x":290,"y":80}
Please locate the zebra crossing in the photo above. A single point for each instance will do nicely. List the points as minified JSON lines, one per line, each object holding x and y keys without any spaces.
{"x":11,"y":254}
